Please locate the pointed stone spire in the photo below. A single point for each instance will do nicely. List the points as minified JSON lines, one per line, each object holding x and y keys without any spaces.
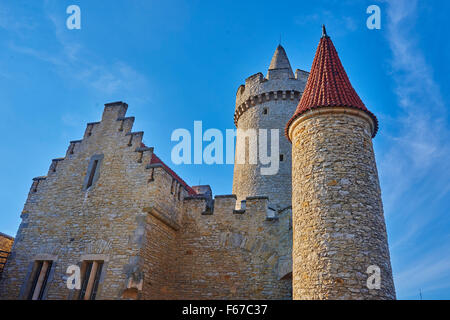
{"x":280,"y":68}
{"x":328,"y":84}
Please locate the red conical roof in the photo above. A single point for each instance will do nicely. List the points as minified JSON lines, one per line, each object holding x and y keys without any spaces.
{"x":328,"y":84}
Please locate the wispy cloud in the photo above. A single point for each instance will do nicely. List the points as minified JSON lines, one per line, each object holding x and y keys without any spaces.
{"x":415,"y":169}
{"x":14,"y":23}
{"x":73,"y":61}
{"x":427,"y":274}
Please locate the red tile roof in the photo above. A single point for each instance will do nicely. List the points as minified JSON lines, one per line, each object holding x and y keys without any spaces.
{"x":328,"y":85}
{"x":156,"y":160}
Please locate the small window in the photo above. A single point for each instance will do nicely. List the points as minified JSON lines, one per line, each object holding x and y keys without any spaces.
{"x":152,"y":175}
{"x":172,"y":186}
{"x":265,"y":111}
{"x":93,"y":173}
{"x":281,"y":157}
{"x":39,"y":279}
{"x":90,"y":279}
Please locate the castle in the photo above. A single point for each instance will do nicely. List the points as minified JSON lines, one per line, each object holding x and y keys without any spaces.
{"x":137,"y":230}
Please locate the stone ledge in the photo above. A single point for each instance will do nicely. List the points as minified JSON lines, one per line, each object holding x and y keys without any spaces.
{"x":125,"y":118}
{"x":257,"y":198}
{"x":144,"y":149}
{"x":310,"y":113}
{"x":231,"y":196}
{"x":199,"y":197}
{"x":162,"y":217}
{"x":40,"y":178}
{"x":94,"y":257}
{"x":254,"y":100}
{"x":134,"y":133}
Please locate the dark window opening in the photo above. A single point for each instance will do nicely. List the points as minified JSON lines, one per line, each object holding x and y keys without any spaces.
{"x":172,"y":186}
{"x":92,"y":174}
{"x":281,"y":157}
{"x":287,"y":276}
{"x":265,"y":111}
{"x":152,"y":173}
{"x":91,"y":279}
{"x":40,"y":279}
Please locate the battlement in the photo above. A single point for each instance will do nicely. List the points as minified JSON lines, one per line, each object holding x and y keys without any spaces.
{"x":258,"y":89}
{"x":226,"y":204}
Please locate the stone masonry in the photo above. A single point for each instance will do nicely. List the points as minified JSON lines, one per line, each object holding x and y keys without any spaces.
{"x":338,"y":218}
{"x":6,"y":243}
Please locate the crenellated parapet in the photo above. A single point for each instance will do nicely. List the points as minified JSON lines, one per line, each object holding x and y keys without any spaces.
{"x":205,"y":206}
{"x":258,"y":89}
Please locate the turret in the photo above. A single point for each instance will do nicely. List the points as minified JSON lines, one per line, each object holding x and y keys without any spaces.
{"x":340,"y":247}
{"x":266,"y":103}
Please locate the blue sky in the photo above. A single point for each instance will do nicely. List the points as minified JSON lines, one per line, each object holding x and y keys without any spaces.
{"x":174,"y":62}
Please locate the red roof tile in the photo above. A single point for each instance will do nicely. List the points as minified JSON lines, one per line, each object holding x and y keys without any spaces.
{"x":328,"y":85}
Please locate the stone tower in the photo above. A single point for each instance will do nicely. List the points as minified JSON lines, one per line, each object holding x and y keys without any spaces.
{"x":340,"y":242}
{"x":266,"y":103}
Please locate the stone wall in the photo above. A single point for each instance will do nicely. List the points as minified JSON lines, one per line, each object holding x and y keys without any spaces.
{"x":6,"y":243}
{"x":339,"y":228}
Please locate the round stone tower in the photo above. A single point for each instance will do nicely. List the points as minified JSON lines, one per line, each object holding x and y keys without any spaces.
{"x":340,"y":247}
{"x":266,"y":103}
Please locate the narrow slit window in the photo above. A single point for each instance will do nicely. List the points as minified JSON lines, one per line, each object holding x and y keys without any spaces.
{"x":281,"y":157}
{"x":171,"y":187}
{"x":92,"y":174}
{"x":175,"y":190}
{"x":39,"y":280}
{"x":152,"y":175}
{"x":265,"y":111}
{"x":93,"y":171}
{"x":90,"y":279}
